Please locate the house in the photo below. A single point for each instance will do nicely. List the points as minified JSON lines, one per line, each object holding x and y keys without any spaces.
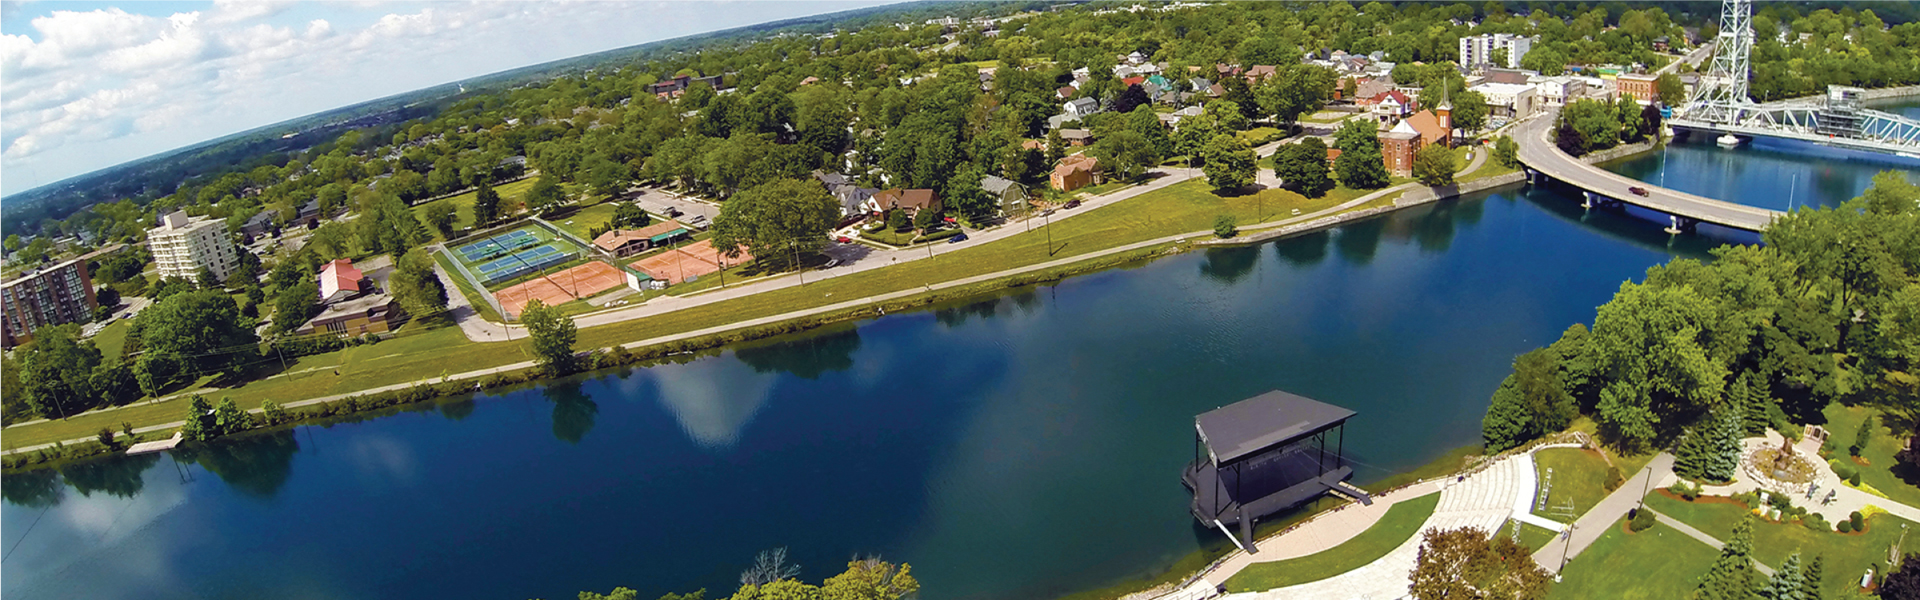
{"x":1260,"y":72}
{"x":1076,"y":137}
{"x":1136,"y":58}
{"x":1369,"y":87}
{"x":1075,"y":172}
{"x":810,"y":80}
{"x":1066,"y":92}
{"x":1509,"y":76}
{"x":1660,"y":43}
{"x":1082,"y":107}
{"x":1434,"y":126}
{"x":1556,"y":91}
{"x":1011,"y":197}
{"x":1033,"y":145}
{"x":1388,"y":106}
{"x":671,"y":86}
{"x":259,"y":224}
{"x":354,"y":303}
{"x":1159,"y":80}
{"x":628,"y":242}
{"x":911,"y":201}
{"x":853,"y":198}
{"x":1511,"y":100}
{"x":1133,"y":81}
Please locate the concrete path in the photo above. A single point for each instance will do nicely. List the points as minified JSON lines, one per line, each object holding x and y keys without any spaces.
{"x":1704,"y":538}
{"x":1607,"y":513}
{"x":1847,"y":499}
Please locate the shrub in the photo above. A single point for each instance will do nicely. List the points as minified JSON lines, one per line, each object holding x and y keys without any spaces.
{"x":1843,"y":471}
{"x":1641,"y":520}
{"x":1845,"y":527}
{"x":272,"y":412}
{"x":1815,"y":522}
{"x":1862,"y":437}
{"x":1854,"y":479}
{"x":1859,"y":522}
{"x":106,"y":439}
{"x":1225,"y":226}
{"x":1614,"y":480}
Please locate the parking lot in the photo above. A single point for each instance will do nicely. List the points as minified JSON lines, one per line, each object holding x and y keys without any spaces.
{"x":656,"y":200}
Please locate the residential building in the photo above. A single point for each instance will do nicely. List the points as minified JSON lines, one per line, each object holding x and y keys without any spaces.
{"x":356,"y":305}
{"x":62,"y":293}
{"x":1477,"y":51}
{"x":1556,"y":91}
{"x":183,"y":245}
{"x":1010,"y":197}
{"x":1511,"y":100}
{"x":1081,"y":107}
{"x":1075,"y":172}
{"x":628,"y":242}
{"x":1639,"y":85}
{"x":852,"y":197}
{"x":260,"y":223}
{"x":1076,"y":137}
{"x":1389,"y":106}
{"x":911,"y":201}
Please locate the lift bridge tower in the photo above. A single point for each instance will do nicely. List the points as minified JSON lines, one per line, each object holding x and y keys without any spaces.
{"x":1721,"y":94}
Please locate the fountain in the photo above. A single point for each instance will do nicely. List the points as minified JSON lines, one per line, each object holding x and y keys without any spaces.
{"x":1778,"y":469}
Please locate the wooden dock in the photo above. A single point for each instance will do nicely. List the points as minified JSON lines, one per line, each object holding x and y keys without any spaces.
{"x":155,"y":446}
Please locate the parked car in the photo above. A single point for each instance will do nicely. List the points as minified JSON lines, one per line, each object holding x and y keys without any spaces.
{"x":957,"y":239}
{"x":1073,"y":204}
{"x":844,"y":239}
{"x":1638,"y":191}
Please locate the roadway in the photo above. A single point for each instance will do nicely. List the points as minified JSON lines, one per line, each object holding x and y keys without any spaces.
{"x":1541,"y":155}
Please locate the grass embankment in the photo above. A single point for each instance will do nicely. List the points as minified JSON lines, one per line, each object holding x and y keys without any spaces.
{"x":1400,"y":523}
{"x":1880,"y":471}
{"x":1578,"y":481}
{"x":1656,"y":564}
{"x":510,"y":194}
{"x":1846,"y":555}
{"x":1534,"y":537}
{"x":113,"y":338}
{"x":1186,"y":207}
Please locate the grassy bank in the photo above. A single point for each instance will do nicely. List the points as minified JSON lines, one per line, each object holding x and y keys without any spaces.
{"x":1400,"y":523}
{"x":1656,"y":564}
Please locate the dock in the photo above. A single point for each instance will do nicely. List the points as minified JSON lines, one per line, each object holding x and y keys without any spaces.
{"x":155,"y":446}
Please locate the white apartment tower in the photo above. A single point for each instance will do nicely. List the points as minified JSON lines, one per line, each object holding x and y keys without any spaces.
{"x":183,"y":245}
{"x":1477,"y":50}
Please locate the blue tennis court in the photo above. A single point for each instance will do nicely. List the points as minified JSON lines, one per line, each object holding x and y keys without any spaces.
{"x":522,"y":263}
{"x":497,"y":246}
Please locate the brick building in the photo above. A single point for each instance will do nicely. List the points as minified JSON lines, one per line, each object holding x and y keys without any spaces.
{"x":62,"y":293}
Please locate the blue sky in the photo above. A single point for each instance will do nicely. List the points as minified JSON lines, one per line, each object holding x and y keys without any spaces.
{"x":88,"y":85}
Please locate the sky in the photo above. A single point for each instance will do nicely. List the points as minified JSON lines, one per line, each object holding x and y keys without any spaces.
{"x":89,"y":85}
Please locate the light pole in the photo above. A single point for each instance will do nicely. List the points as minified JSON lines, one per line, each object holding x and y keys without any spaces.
{"x":1566,"y":542}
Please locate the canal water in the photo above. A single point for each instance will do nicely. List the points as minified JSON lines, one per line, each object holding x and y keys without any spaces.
{"x":1019,"y":446}
{"x":1768,"y":173}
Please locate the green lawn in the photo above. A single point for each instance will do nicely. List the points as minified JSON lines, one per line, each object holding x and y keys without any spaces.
{"x":1579,"y":477}
{"x":1842,"y":424}
{"x":579,"y":223}
{"x":463,"y":203}
{"x":1400,"y":523}
{"x":1656,"y":564}
{"x":1847,"y":556}
{"x":1186,"y":207}
{"x":1534,"y":537}
{"x":113,"y":338}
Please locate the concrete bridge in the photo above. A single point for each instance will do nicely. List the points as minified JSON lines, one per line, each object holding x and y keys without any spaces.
{"x":1543,"y":159}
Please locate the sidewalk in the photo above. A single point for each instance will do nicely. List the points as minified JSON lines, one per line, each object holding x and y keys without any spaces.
{"x":1607,"y":513}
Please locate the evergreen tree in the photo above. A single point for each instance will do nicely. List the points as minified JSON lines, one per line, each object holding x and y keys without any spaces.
{"x":1711,"y":451}
{"x":1788,"y":582}
{"x":1731,"y":576}
{"x":1810,"y":579}
{"x":1753,"y":414}
{"x":486,"y":204}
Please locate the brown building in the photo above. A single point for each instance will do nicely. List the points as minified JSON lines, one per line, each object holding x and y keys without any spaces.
{"x":62,"y":293}
{"x":1399,"y":144}
{"x":357,"y":305}
{"x":1639,"y":85}
{"x":912,"y":201}
{"x":1075,"y":172}
{"x":628,"y":242}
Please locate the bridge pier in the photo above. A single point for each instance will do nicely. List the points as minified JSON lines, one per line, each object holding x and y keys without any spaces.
{"x":1681,"y":225}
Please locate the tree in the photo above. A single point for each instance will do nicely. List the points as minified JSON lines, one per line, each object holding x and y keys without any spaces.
{"x":1862,"y":436}
{"x":1225,"y":226}
{"x":1303,"y":167}
{"x":1731,"y":576}
{"x":416,"y":286}
{"x":897,"y":220}
{"x":1433,"y":165}
{"x":1125,"y":154}
{"x":545,"y":195}
{"x":1651,"y":345}
{"x":1788,"y":581}
{"x":56,"y":371}
{"x":1464,"y":564}
{"x":13,"y":242}
{"x":292,"y":306}
{"x":486,"y":204}
{"x":1711,"y":452}
{"x":201,"y":424}
{"x":924,"y":219}
{"x":1191,"y":137}
{"x":1811,"y":579}
{"x":1749,"y":396}
{"x":440,"y":216}
{"x":1147,"y":123}
{"x":202,"y":327}
{"x":550,"y":335}
{"x":1470,"y":111}
{"x":1903,"y":582}
{"x":784,"y":217}
{"x":1360,"y":166}
{"x":1228,"y":116}
{"x":1506,"y":152}
{"x":1130,"y":99}
{"x":626,"y":215}
{"x":1230,"y":163}
{"x":1056,"y":146}
{"x":1672,"y":91}
{"x":1531,"y":402}
{"x":229,"y":419}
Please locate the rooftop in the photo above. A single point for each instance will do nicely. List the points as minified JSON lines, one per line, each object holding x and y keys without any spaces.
{"x":1246,"y":427}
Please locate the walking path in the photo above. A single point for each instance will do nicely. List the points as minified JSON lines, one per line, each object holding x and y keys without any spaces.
{"x":1846,"y":499}
{"x":1704,"y":538}
{"x":1606,"y":514}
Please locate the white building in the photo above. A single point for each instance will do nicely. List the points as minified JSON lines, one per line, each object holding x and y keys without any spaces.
{"x":182,"y":246}
{"x":1477,"y":51}
{"x":1515,"y":100}
{"x":1556,"y":90}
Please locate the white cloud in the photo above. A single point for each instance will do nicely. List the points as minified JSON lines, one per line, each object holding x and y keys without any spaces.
{"x":88,"y":89}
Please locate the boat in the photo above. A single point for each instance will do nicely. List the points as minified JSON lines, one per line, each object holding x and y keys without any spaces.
{"x":1727,"y":141}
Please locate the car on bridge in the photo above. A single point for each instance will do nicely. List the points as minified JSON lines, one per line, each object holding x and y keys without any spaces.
{"x":1638,"y":191}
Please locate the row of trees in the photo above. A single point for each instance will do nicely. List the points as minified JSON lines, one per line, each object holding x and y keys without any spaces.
{"x":1591,"y":125}
{"x":1827,"y":310}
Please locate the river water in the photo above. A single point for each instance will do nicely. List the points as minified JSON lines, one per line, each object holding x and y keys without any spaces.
{"x":1020,"y":446}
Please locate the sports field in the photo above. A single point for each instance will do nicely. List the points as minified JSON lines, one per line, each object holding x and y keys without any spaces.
{"x":554,"y":289}
{"x":688,"y":262}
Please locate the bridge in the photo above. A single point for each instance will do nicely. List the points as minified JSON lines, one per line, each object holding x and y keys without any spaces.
{"x":1544,"y":159}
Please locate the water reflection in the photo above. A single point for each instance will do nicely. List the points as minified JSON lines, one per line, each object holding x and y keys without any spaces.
{"x":256,"y":465}
{"x":1357,"y":242}
{"x":1229,"y":265}
{"x":457,"y":410}
{"x":1305,"y":250}
{"x":573,"y":411}
{"x":118,"y":477}
{"x":39,"y":488}
{"x":955,"y":316}
{"x":711,"y":400}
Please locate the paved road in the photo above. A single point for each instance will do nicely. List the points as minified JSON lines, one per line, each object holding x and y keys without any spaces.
{"x":1604,"y":515}
{"x":1542,"y":155}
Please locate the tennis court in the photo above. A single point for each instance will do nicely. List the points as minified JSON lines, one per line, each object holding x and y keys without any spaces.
{"x":497,"y":246}
{"x":522,"y":263}
{"x":692,"y":261}
{"x":582,"y":281}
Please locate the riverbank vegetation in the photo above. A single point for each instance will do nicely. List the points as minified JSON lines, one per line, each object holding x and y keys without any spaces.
{"x":867,"y":579}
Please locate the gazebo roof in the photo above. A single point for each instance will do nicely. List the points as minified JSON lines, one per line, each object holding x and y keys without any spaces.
{"x":1249,"y":426}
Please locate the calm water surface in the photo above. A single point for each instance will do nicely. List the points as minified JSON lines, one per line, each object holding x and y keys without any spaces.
{"x":1016,"y":447}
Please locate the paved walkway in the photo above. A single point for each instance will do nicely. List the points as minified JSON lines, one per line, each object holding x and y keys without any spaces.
{"x":1847,"y":499}
{"x":1606,"y":514}
{"x":1704,"y":538}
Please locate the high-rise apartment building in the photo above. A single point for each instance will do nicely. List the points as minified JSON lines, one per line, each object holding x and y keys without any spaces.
{"x":183,"y":245}
{"x":1476,"y":51}
{"x":62,"y":293}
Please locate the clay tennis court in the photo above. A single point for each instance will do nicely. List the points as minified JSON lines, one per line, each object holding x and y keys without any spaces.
{"x":562,"y":287}
{"x":693,"y":260}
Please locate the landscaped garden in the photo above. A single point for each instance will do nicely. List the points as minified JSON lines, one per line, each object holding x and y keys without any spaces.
{"x":1846,"y":555}
{"x":1656,"y":564}
{"x":1401,"y":522}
